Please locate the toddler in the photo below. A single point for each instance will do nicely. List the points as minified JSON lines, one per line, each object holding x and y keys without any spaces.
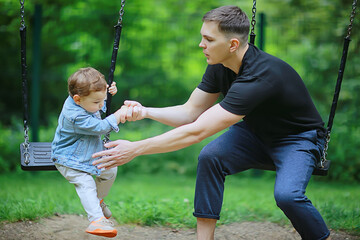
{"x":78,"y":136}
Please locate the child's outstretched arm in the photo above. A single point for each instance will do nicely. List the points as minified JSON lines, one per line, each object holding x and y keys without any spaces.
{"x":112,"y":89}
{"x":120,"y":114}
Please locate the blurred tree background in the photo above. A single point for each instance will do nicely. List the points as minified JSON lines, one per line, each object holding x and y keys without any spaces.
{"x":159,"y":64}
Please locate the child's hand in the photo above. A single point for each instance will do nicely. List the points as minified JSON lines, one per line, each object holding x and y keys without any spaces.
{"x":121,"y":114}
{"x":112,"y":89}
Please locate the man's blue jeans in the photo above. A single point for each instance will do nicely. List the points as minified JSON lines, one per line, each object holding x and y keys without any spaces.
{"x":239,"y":149}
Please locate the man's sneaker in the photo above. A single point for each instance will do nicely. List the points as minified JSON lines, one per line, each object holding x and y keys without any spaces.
{"x":106,"y":211}
{"x":102,"y":227}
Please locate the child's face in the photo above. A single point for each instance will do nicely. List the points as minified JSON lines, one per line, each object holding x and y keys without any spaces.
{"x":93,"y":102}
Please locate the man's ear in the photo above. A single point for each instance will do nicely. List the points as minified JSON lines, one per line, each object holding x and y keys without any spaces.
{"x":234,"y":44}
{"x":76,"y":99}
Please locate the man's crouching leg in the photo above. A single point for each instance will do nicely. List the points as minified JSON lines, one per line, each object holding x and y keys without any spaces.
{"x":206,"y":228}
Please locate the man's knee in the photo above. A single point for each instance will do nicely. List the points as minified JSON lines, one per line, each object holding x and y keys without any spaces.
{"x":288,"y":199}
{"x":208,"y":158}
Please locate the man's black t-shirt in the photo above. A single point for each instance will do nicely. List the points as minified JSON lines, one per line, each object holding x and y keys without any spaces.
{"x":268,"y":91}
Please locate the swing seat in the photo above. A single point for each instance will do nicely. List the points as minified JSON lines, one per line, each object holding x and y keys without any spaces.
{"x":39,"y":157}
{"x":318,"y":171}
{"x":322,"y":171}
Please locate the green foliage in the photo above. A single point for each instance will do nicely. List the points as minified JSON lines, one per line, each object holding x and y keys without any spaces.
{"x":156,"y":205}
{"x":329,"y":200}
{"x":344,"y":153}
{"x":10,"y":140}
{"x":29,"y":195}
{"x":160,"y":63}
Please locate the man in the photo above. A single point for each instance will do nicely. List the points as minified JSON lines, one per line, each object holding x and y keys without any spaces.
{"x":280,"y":126}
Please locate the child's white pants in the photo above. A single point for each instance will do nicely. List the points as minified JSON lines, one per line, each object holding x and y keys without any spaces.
{"x":90,"y":190}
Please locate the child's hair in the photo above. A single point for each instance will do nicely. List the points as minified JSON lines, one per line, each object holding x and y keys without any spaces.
{"x":86,"y":80}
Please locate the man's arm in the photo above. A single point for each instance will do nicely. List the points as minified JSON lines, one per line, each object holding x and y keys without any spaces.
{"x":210,"y":122}
{"x":175,"y":116}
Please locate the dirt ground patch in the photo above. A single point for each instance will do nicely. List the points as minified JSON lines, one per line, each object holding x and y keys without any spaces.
{"x":72,"y":227}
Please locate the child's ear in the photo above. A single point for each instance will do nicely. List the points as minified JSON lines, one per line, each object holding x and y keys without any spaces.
{"x":76,"y":99}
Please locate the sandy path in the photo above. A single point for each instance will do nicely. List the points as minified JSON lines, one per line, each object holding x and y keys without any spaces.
{"x":72,"y":227}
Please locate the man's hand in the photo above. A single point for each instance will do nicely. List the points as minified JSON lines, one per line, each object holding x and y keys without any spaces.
{"x":135,"y":111}
{"x":120,"y":152}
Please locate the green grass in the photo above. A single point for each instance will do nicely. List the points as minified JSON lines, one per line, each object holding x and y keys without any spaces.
{"x":167,"y":200}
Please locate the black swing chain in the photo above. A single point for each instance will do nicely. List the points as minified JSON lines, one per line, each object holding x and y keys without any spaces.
{"x":352,"y":16}
{"x":119,"y":23}
{"x":253,"y":21}
{"x":327,"y":138}
{"x":26,"y":127}
{"x":22,"y":13}
{"x":121,"y":12}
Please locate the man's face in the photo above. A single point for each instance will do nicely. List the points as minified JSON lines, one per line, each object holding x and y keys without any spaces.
{"x":215,"y":45}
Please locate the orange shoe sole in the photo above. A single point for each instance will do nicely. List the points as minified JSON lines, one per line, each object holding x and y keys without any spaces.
{"x":104,"y":233}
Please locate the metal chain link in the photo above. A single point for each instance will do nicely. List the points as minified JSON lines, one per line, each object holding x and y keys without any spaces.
{"x":352,"y":16}
{"x":26,"y":144}
{"x":106,"y":138}
{"x":253,"y":21}
{"x":22,"y":13}
{"x":324,"y":153}
{"x":121,"y":12}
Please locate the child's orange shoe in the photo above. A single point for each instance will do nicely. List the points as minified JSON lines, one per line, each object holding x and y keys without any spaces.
{"x":102,"y":227}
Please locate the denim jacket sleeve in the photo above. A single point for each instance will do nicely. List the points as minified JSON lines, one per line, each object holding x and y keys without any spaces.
{"x":91,"y":125}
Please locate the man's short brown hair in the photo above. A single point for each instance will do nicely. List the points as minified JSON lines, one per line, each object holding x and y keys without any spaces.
{"x":232,"y":20}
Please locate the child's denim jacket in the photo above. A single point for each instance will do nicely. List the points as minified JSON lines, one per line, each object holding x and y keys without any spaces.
{"x":78,"y":136}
